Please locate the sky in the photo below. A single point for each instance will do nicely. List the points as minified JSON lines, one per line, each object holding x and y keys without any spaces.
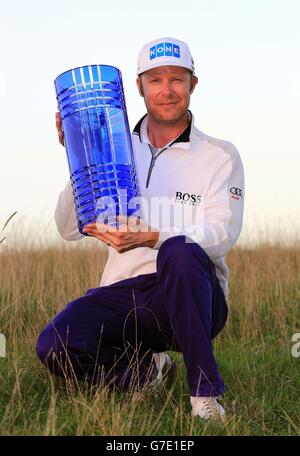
{"x":246,"y":57}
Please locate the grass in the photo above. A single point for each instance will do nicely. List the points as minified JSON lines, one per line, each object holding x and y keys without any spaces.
{"x":253,"y":351}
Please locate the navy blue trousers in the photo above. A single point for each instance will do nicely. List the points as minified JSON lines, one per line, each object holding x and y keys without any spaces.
{"x":111,"y":333}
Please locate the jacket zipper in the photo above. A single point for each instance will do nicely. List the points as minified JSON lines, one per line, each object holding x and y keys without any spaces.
{"x":152,"y":163}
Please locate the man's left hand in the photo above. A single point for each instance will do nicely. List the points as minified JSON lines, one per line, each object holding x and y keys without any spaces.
{"x":130,"y":233}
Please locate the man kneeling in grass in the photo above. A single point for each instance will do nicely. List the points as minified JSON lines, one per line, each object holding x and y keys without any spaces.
{"x":163,"y":287}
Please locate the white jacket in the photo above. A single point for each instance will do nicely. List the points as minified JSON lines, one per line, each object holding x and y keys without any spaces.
{"x":197,"y":180}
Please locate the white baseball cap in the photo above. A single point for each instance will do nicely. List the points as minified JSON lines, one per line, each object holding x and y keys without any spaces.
{"x":165,"y":51}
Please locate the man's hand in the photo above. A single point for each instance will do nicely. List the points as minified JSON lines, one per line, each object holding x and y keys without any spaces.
{"x":132,"y":232}
{"x":59,"y":129}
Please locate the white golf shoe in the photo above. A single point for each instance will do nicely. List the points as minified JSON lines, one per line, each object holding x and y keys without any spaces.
{"x":207,"y":408}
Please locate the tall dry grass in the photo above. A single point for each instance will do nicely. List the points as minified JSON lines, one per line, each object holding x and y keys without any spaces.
{"x":253,"y":350}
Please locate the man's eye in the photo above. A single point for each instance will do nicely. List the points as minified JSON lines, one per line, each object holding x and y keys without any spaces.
{"x":154,"y":80}
{"x":177,"y":80}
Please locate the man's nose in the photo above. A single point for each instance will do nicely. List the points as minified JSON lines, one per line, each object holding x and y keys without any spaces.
{"x":167,"y":87}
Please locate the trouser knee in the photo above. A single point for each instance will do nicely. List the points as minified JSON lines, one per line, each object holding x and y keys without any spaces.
{"x":51,"y":351}
{"x":181,"y":253}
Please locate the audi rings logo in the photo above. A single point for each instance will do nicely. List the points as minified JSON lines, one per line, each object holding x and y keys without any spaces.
{"x":236,"y":193}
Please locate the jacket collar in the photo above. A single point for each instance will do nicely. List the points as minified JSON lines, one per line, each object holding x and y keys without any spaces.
{"x":184,"y":137}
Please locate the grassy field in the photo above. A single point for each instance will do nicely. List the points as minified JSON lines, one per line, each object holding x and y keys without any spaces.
{"x":253,"y":351}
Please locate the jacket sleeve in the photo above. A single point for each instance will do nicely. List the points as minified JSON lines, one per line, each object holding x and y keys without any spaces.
{"x":220,"y":214}
{"x":65,"y":215}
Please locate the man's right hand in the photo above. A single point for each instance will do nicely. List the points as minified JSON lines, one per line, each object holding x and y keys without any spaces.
{"x":59,"y":129}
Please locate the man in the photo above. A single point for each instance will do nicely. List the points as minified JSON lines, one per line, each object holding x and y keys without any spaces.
{"x":165,"y":286}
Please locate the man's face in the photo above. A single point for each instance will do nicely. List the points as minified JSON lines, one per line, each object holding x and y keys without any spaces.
{"x":166,"y":91}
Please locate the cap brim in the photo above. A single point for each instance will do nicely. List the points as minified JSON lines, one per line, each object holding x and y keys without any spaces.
{"x":164,"y":63}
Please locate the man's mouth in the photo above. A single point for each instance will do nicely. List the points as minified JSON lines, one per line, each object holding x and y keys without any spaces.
{"x":167,"y":104}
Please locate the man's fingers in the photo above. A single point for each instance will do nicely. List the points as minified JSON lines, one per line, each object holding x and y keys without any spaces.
{"x":122,"y":219}
{"x":98,"y":236}
{"x":131,"y":220}
{"x":107,"y":228}
{"x":105,"y":237}
{"x":59,"y":129}
{"x":61,"y":139}
{"x":134,"y":224}
{"x":125,"y":225}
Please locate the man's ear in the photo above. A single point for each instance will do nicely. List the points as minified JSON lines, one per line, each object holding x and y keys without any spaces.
{"x":194,"y":82}
{"x":140,"y":86}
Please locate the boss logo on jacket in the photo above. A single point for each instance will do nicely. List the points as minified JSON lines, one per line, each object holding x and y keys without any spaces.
{"x":186,"y":198}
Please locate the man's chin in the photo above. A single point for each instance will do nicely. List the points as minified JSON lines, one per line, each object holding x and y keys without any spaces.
{"x":167,"y":117}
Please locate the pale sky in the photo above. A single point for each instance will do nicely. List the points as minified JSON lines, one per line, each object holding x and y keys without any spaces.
{"x":246,"y":56}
